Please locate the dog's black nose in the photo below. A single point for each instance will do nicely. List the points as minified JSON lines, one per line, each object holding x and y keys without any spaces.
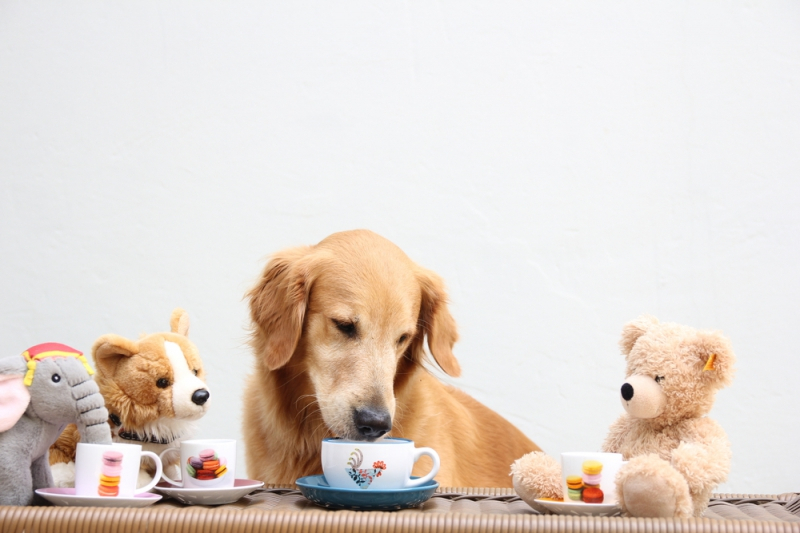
{"x":200,"y":396}
{"x":372,"y":423}
{"x":627,"y":392}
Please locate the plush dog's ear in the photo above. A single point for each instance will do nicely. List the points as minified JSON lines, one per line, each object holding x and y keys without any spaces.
{"x":278,"y":305}
{"x":109,"y":350}
{"x":437,"y":323}
{"x":633,"y":330}
{"x":179,"y":322}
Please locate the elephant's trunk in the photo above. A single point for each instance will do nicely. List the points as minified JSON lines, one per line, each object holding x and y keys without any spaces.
{"x":92,"y":418}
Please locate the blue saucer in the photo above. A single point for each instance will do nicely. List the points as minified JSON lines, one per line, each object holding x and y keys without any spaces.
{"x":317,"y":490}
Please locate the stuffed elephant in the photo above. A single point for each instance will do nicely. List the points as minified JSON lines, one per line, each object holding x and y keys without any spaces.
{"x":41,"y":391}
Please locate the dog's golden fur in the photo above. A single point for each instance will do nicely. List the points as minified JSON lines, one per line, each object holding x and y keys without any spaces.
{"x":338,"y":331}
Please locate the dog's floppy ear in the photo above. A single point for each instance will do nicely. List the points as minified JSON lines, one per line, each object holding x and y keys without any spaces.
{"x":437,"y":323}
{"x":278,"y":305}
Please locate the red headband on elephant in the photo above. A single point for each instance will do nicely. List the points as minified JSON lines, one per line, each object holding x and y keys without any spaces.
{"x":50,"y":349}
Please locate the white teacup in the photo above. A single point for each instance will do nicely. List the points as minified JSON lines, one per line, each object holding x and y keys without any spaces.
{"x":589,"y":477}
{"x":380,"y":465}
{"x":111,"y":470}
{"x":205,"y":463}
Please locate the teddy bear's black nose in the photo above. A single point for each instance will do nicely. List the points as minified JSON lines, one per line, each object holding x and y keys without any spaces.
{"x":200,"y":396}
{"x":627,"y":392}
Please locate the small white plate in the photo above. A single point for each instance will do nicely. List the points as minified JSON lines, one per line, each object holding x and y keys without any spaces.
{"x":241,"y":487}
{"x":67,"y":497}
{"x":580,"y":508}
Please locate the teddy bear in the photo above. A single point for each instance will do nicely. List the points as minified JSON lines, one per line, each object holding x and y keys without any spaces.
{"x":675,"y":454}
{"x":155,"y":391}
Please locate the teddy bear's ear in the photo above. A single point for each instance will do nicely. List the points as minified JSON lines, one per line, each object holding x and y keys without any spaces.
{"x":633,"y":330}
{"x":714,"y":357}
{"x":179,"y":322}
{"x":109,"y":350}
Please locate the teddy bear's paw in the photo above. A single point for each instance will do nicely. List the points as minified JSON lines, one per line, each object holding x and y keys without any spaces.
{"x":537,"y":475}
{"x":649,"y":487}
{"x":63,"y":475}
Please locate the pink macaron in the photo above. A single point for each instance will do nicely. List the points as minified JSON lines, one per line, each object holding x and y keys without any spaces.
{"x":207,"y":455}
{"x":592,"y":479}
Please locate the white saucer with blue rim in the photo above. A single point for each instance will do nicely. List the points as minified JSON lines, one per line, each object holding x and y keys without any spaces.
{"x":66,"y":497}
{"x":317,"y":490}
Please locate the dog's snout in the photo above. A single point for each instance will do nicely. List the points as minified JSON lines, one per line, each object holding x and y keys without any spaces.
{"x":200,"y":396}
{"x":627,"y":392}
{"x":372,"y":423}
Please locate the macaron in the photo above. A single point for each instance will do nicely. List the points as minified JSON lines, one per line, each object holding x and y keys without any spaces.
{"x":190,"y":470}
{"x":574,"y":482}
{"x":574,"y":494}
{"x":592,"y":467}
{"x":592,"y":495}
{"x":592,"y":480}
{"x":210,"y":465}
{"x":104,"y":490}
{"x":207,"y":455}
{"x":109,"y":480}
{"x":219,"y":472}
{"x":205,"y":474}
{"x":112,"y":458}
{"x":196,"y":462}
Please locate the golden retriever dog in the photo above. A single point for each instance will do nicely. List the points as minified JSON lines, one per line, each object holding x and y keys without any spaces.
{"x":338,"y":334}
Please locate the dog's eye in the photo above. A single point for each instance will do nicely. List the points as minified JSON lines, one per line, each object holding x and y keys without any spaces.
{"x":659,"y":379}
{"x":348,"y":328}
{"x":403,"y":338}
{"x":195,"y":371}
{"x":162,"y":383}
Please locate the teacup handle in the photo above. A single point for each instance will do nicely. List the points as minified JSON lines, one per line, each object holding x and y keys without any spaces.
{"x":157,"y":477}
{"x":164,"y":476}
{"x":419,"y":452}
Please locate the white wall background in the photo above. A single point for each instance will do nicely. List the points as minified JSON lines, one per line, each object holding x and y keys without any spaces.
{"x":566,"y":166}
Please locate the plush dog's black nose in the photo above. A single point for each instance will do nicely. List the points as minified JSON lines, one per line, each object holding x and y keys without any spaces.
{"x":627,"y":392}
{"x":372,"y":423}
{"x":200,"y":396}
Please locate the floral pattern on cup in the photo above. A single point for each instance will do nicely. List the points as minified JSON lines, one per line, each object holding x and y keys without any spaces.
{"x":206,"y":466}
{"x":363,"y":476}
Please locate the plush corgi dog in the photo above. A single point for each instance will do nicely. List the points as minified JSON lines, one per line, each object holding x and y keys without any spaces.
{"x":154,"y":390}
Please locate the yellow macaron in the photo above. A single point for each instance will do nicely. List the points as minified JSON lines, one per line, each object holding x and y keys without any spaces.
{"x":574,"y":482}
{"x":592,"y":467}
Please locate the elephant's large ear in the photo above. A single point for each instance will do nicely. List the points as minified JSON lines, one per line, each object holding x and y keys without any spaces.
{"x":109,"y":350}
{"x":14,"y":395}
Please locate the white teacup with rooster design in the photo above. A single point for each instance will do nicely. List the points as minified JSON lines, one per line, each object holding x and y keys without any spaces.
{"x":382,"y":465}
